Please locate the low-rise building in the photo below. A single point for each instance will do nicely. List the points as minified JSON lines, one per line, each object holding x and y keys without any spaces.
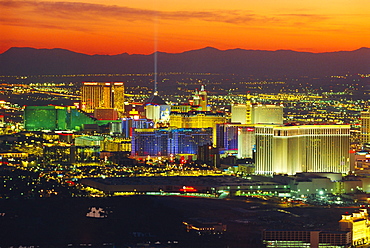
{"x":305,"y":238}
{"x":358,"y":225}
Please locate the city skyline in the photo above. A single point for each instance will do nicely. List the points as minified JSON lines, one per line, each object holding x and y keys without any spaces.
{"x":142,"y":27}
{"x":184,"y":123}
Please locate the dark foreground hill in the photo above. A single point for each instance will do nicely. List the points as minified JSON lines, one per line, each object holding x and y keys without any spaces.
{"x":31,"y":61}
{"x":62,"y":222}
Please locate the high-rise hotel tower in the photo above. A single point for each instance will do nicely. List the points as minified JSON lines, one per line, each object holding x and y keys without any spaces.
{"x":306,"y":148}
{"x":365,"y":127}
{"x":200,"y":98}
{"x":257,"y":114}
{"x":102,"y":95}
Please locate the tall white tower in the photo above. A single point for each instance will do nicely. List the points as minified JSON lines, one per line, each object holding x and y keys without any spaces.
{"x":203,"y":98}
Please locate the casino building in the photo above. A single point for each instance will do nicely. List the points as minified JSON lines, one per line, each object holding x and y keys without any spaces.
{"x":53,"y":118}
{"x":306,"y":238}
{"x":171,"y":141}
{"x":354,"y":232}
{"x":281,"y":149}
{"x":365,"y":126}
{"x":306,"y":148}
{"x":103,"y":95}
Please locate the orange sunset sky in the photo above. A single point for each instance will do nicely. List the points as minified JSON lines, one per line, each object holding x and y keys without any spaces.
{"x":118,"y":26}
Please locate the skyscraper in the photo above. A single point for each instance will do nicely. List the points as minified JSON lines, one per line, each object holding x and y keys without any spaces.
{"x":307,"y":148}
{"x":203,"y":98}
{"x":227,"y":136}
{"x":365,"y":127}
{"x":246,"y":142}
{"x":241,"y":113}
{"x":234,"y":138}
{"x":267,"y":114}
{"x":55,"y":118}
{"x":103,"y":95}
{"x":264,"y":148}
{"x":164,"y":142}
{"x":200,"y":98}
{"x":256,"y":114}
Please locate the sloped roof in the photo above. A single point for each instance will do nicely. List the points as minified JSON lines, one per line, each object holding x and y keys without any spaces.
{"x":155,"y":100}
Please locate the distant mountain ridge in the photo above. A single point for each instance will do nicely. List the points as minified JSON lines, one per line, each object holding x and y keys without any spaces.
{"x":31,"y":61}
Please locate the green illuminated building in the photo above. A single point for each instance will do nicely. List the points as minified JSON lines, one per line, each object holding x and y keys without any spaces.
{"x":55,"y":118}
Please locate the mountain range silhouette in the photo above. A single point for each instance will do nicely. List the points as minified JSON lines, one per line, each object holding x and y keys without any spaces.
{"x":280,"y":63}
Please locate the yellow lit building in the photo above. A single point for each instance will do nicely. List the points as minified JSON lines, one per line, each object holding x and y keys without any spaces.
{"x":200,"y":98}
{"x":19,"y":155}
{"x":184,"y":108}
{"x":267,"y":114}
{"x":257,"y":114}
{"x":241,"y":113}
{"x":358,"y":225}
{"x":196,"y":119}
{"x":306,"y":148}
{"x":116,"y":144}
{"x":365,"y":126}
{"x":103,"y":95}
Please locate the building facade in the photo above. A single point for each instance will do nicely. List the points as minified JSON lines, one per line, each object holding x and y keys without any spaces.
{"x":267,"y":114}
{"x":241,"y":113}
{"x":200,"y":99}
{"x":103,"y":95}
{"x":264,"y":148}
{"x":358,"y":225}
{"x":365,"y":127}
{"x":166,"y":142}
{"x":53,"y":118}
{"x":236,"y":138}
{"x":195,"y":119}
{"x":156,"y":109}
{"x":307,"y":148}
{"x":246,"y":142}
{"x":305,"y":238}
